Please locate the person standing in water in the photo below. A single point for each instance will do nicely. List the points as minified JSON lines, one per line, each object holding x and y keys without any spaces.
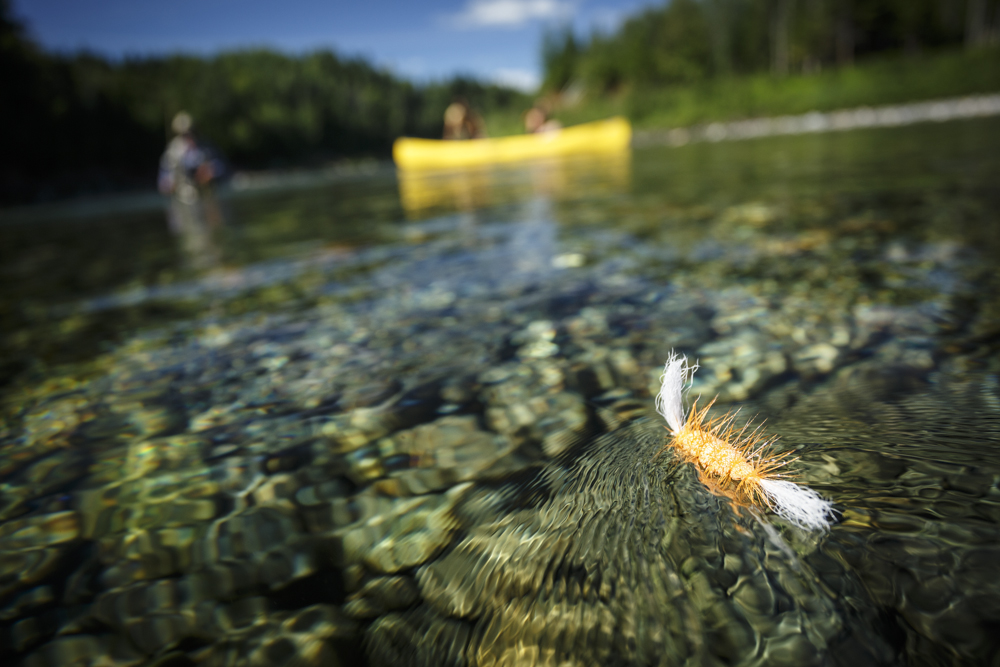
{"x":188,"y":171}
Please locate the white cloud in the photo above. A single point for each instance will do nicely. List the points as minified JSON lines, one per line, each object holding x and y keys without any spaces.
{"x":522,"y":79}
{"x":511,"y":13}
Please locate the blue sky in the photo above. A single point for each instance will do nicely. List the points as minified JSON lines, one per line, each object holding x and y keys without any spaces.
{"x":423,"y":39}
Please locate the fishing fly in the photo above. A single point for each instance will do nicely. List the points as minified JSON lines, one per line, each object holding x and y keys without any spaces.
{"x":735,"y":456}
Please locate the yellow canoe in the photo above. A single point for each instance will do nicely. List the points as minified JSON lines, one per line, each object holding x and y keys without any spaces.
{"x":613,"y":134}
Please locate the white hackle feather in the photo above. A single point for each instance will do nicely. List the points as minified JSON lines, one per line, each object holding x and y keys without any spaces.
{"x":670,"y":400}
{"x":798,"y":504}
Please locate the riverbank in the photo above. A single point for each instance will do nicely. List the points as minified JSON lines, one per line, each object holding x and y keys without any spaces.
{"x":886,"y":81}
{"x":975,"y":106}
{"x":886,"y":92}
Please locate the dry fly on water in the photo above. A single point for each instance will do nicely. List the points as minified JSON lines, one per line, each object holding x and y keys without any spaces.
{"x":735,"y":456}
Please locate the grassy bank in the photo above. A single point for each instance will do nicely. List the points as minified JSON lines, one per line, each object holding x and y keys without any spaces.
{"x":886,"y":80}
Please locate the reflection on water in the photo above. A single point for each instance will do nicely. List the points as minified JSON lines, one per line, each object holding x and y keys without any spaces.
{"x":424,"y":191}
{"x":432,"y":442}
{"x":196,"y":221}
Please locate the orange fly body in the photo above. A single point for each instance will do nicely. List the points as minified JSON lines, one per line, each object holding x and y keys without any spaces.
{"x":734,"y":456}
{"x":727,"y":454}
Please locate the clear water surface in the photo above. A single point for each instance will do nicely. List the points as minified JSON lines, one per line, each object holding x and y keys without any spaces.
{"x":407,"y":420}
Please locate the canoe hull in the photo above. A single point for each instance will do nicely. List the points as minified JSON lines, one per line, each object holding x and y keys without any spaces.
{"x":613,"y":134}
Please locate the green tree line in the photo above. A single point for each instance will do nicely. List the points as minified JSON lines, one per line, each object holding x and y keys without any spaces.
{"x":686,"y":42}
{"x":84,"y":123}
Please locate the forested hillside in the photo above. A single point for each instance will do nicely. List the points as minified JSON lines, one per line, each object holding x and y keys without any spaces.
{"x":689,"y":41}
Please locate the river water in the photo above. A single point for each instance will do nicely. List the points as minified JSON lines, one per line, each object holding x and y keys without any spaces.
{"x":408,"y":420}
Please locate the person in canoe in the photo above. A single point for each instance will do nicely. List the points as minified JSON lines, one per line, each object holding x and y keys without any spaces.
{"x":536,"y":120}
{"x":462,"y":122}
